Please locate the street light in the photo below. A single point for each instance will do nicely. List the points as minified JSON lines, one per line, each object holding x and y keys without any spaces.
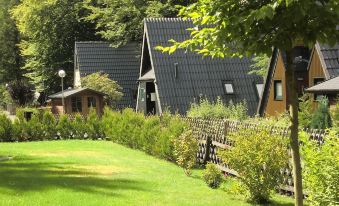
{"x":62,"y":74}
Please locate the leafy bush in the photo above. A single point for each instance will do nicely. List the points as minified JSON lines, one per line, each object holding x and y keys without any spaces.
{"x":321,"y":172}
{"x":206,"y":109}
{"x":6,"y":129}
{"x":321,"y":117}
{"x":335,"y":117}
{"x":95,"y":128}
{"x":212,"y":175}
{"x":79,"y":128}
{"x":305,"y":111}
{"x":49,"y":125}
{"x":64,"y":127}
{"x":185,"y":149}
{"x":257,"y":156}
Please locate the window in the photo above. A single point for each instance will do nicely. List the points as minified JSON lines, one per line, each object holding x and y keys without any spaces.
{"x":228,"y":88}
{"x":315,"y":82}
{"x":91,"y":102}
{"x":76,"y":104}
{"x":278,"y":90}
{"x":259,"y":88}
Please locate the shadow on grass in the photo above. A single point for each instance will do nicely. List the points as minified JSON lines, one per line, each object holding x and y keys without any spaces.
{"x":28,"y":175}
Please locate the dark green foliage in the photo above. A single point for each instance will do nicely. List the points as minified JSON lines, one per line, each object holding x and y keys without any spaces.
{"x":94,"y":126}
{"x":260,"y":65}
{"x":212,"y":175}
{"x":64,"y":127}
{"x":49,"y":125}
{"x":21,"y":92}
{"x":321,"y":117}
{"x":321,"y":172}
{"x":6,"y":129}
{"x":79,"y":128}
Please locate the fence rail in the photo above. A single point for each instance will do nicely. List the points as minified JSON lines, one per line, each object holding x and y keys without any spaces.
{"x":213,"y":136}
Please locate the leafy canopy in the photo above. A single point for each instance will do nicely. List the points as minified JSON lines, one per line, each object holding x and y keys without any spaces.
{"x":102,"y":83}
{"x":235,"y":28}
{"x":122,"y":21}
{"x":49,"y":29}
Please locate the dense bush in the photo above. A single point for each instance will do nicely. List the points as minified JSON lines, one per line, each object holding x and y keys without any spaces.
{"x":258,"y":157}
{"x":321,"y":117}
{"x":186,"y":148}
{"x":153,"y":134}
{"x":212,"y":175}
{"x":305,"y":111}
{"x":335,"y":117}
{"x":6,"y":129}
{"x":207,"y":109}
{"x":321,"y":172}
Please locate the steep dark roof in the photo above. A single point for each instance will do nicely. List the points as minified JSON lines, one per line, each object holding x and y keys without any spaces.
{"x":196,"y":76}
{"x":329,"y":86}
{"x":268,"y":81}
{"x":330,"y":56}
{"x":122,"y":64}
{"x":71,"y":92}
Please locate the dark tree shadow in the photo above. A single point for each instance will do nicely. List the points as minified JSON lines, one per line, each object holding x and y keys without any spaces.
{"x":26,"y":175}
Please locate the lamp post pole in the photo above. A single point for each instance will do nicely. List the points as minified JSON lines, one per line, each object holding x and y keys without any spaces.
{"x":62,"y":74}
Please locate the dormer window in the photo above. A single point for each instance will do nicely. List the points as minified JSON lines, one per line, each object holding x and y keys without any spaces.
{"x":228,"y":86}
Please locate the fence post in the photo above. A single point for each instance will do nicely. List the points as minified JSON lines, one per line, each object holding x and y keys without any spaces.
{"x":207,"y":150}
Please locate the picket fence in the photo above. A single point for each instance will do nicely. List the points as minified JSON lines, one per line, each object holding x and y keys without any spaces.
{"x":213,"y":137}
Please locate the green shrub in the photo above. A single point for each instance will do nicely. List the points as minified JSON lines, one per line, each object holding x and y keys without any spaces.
{"x":95,"y":127}
{"x":150,"y":133}
{"x":305,"y":111}
{"x":206,"y":109}
{"x":185,"y":148}
{"x":212,"y":175}
{"x":335,"y":117}
{"x":321,"y":171}
{"x":64,"y":127}
{"x":33,"y":129}
{"x":49,"y":125}
{"x":6,"y":129}
{"x":321,"y":117}
{"x":79,"y":128}
{"x":257,"y":156}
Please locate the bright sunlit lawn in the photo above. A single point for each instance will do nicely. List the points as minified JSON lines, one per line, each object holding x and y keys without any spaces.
{"x":100,"y":173}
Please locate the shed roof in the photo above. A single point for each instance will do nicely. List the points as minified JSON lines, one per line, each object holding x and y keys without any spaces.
{"x":330,"y":56}
{"x":184,"y":76}
{"x":71,"y":92}
{"x":329,"y":86}
{"x":121,"y":64}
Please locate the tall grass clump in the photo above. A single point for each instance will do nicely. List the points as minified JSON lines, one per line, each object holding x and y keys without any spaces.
{"x":218,"y":109}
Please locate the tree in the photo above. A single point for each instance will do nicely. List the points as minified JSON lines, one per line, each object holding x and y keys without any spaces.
{"x":122,"y":21}
{"x":321,"y":117}
{"x":237,"y":28}
{"x":21,"y":92}
{"x":260,"y":65}
{"x":101,"y":82}
{"x":10,"y":60}
{"x":49,"y":29}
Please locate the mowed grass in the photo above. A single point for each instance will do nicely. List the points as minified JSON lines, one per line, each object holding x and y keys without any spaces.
{"x":100,"y":173}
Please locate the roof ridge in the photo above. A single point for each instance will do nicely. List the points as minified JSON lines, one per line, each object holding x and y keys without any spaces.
{"x":166,"y":19}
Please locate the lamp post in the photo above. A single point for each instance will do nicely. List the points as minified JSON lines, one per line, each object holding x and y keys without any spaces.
{"x":62,"y":74}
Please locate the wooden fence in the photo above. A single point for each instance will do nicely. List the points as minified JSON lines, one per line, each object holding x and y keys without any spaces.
{"x":213,"y":136}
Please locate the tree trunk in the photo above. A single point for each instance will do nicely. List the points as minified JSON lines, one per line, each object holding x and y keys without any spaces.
{"x":293,"y":104}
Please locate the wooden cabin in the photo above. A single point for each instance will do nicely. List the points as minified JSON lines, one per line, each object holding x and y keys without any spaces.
{"x":316,"y":66}
{"x":79,"y":100}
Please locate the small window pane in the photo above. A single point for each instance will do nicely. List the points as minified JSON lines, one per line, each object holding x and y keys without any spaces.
{"x":278,"y":90}
{"x":229,"y":88}
{"x":91,"y":102}
{"x":76,"y":104}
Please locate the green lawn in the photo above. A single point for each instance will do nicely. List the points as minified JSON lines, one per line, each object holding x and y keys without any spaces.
{"x":100,"y":173}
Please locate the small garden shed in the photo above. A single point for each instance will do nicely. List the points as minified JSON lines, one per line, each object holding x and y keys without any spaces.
{"x":78,"y":100}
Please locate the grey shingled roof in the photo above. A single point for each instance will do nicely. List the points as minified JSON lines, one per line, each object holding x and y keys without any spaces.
{"x":330,"y":56}
{"x":331,"y":85}
{"x":71,"y":92}
{"x":121,"y":64}
{"x":196,"y":75}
